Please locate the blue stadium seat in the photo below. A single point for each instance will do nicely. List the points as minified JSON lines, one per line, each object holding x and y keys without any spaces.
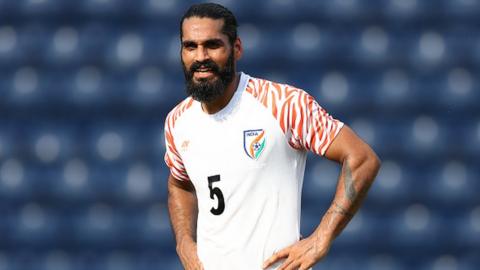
{"x":430,"y":50}
{"x":63,"y":46}
{"x":253,"y":39}
{"x":172,"y":263}
{"x":148,"y":87}
{"x":35,"y":226}
{"x":118,"y":260}
{"x":110,"y":143}
{"x":334,"y":90}
{"x":101,"y":7}
{"x":50,"y":144}
{"x":475,"y":52}
{"x":406,"y":10}
{"x":341,"y":261}
{"x":153,"y":227}
{"x":457,"y":88}
{"x":57,"y":259}
{"x":155,"y":46}
{"x":275,"y":9}
{"x":393,"y":91}
{"x":338,"y":9}
{"x":93,"y":41}
{"x":460,"y":43}
{"x":23,"y":86}
{"x":138,"y":184}
{"x":87,"y":86}
{"x":470,"y":260}
{"x":126,"y":49}
{"x":427,"y":136}
{"x":25,"y":260}
{"x":40,"y":8}
{"x":417,"y":226}
{"x":71,"y":182}
{"x":320,"y":182}
{"x":161,"y":9}
{"x":445,"y":261}
{"x":384,"y":262}
{"x":97,"y":227}
{"x":33,"y":42}
{"x":106,"y":181}
{"x":453,"y":185}
{"x":464,"y":9}
{"x":362,"y":228}
{"x":16,"y":180}
{"x":390,"y":186}
{"x":7,"y":142}
{"x":466,"y":227}
{"x":10,"y":54}
{"x":6,"y":261}
{"x":8,"y":7}
{"x":372,"y":46}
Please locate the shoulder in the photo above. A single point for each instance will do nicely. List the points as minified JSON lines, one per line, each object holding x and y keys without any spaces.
{"x":279,"y":97}
{"x":265,"y":90}
{"x":178,"y":111}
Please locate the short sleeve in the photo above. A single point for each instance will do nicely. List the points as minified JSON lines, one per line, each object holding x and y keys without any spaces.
{"x":172,"y":157}
{"x":311,"y":127}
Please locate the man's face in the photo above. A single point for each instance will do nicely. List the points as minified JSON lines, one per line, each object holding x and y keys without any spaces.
{"x":207,"y":57}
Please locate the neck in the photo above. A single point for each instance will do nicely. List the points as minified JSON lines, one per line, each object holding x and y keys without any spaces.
{"x":222,"y":101}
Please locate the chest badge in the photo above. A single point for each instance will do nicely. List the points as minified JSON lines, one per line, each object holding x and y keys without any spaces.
{"x":254,"y":142}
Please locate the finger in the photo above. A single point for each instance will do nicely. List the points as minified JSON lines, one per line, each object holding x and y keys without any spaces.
{"x":286,"y":264}
{"x":305,"y":266}
{"x":200,"y":265}
{"x":294,"y":265}
{"x":275,"y":257}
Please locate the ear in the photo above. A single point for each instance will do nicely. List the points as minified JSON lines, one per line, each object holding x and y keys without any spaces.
{"x":237,"y":49}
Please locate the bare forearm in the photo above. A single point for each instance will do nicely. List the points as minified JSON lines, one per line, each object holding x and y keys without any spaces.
{"x":355,"y":180}
{"x":182,"y":207}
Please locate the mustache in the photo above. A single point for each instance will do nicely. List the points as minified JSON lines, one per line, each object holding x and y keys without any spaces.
{"x":209,"y":64}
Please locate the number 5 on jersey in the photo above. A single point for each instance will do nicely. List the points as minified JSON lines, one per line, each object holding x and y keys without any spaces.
{"x":215,"y":191}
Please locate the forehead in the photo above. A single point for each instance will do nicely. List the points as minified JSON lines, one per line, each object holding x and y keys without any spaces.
{"x":200,"y":29}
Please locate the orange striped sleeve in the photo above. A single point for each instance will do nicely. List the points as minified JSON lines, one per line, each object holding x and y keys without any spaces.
{"x":173,"y":158}
{"x":300,"y":117}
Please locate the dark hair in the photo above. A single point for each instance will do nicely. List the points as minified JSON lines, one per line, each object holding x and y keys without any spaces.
{"x":213,"y":11}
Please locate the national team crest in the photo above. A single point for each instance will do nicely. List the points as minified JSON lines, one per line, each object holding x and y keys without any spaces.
{"x":254,"y":142}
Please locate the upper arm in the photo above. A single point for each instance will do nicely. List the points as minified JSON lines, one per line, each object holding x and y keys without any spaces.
{"x":347,"y":145}
{"x":175,"y":183}
{"x":173,"y":159}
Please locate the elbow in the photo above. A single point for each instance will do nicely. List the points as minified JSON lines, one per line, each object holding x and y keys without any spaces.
{"x":367,"y":163}
{"x":364,"y":164}
{"x":374,"y":163}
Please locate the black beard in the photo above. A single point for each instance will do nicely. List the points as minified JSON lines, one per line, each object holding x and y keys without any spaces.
{"x":207,"y":90}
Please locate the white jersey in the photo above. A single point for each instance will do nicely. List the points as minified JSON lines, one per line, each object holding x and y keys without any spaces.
{"x":247,"y":163}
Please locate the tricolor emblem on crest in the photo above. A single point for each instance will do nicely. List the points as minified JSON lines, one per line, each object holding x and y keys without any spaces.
{"x":254,"y":142}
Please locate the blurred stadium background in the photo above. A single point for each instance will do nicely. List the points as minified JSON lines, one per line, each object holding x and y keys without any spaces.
{"x":85,"y":86}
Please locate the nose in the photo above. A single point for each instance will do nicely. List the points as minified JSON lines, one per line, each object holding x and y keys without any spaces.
{"x":202,"y":54}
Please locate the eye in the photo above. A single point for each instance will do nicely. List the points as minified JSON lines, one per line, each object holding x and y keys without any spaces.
{"x":214,"y":44}
{"x":189,"y":46}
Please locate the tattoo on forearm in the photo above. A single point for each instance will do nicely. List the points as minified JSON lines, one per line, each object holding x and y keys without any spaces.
{"x":348,"y":180}
{"x":340,"y":210}
{"x":348,"y":199}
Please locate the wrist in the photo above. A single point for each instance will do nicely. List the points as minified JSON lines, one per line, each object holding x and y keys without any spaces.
{"x":185,"y":240}
{"x":324,"y":235}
